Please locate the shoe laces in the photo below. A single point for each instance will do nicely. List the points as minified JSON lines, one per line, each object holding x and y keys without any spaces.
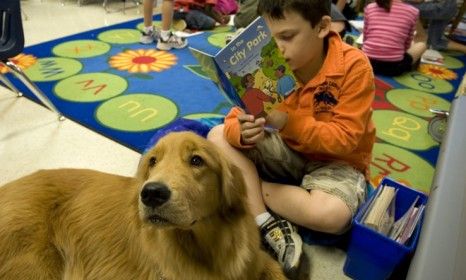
{"x":172,"y":38}
{"x":280,"y":237}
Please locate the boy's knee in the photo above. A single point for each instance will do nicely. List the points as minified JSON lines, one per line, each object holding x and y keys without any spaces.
{"x":216,"y":133}
{"x":337,"y":221}
{"x":333,"y":216}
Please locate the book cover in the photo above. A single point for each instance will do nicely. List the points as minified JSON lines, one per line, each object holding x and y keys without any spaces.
{"x":250,"y":70}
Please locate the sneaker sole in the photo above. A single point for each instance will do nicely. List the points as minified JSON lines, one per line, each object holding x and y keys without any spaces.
{"x":146,"y":41}
{"x":298,"y":248}
{"x":167,"y":47}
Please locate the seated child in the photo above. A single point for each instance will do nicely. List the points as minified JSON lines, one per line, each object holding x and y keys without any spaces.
{"x":389,"y":36}
{"x":306,"y":162}
{"x":204,"y":14}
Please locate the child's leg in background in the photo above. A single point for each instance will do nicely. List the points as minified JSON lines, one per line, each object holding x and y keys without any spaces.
{"x":419,"y":45}
{"x":198,"y":20}
{"x":246,"y":14}
{"x":148,"y":9}
{"x":167,"y":15}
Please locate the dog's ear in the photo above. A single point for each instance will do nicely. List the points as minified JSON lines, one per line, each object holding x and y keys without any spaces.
{"x":233,"y":201}
{"x":143,"y":168}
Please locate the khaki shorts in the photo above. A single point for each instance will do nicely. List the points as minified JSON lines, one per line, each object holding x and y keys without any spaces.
{"x":277,"y":163}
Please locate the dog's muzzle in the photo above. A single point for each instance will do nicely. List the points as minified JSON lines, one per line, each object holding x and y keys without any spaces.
{"x":155,"y":194}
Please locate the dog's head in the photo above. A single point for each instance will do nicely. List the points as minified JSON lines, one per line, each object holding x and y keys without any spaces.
{"x":186,"y":179}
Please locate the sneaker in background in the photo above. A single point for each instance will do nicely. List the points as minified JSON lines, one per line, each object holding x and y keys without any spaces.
{"x":172,"y":42}
{"x":284,"y":242}
{"x":148,"y":37}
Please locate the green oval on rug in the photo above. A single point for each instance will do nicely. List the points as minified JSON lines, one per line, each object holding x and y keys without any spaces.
{"x":403,"y":129}
{"x":136,"y":112}
{"x":53,"y":69}
{"x":203,"y":116}
{"x":90,"y":87}
{"x":416,"y":102}
{"x":120,"y":36}
{"x":81,"y":48}
{"x":452,"y":63}
{"x":418,"y":81}
{"x":219,"y":39}
{"x":401,"y":165}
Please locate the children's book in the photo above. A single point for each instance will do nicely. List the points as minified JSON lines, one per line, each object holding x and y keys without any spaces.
{"x":250,"y":70}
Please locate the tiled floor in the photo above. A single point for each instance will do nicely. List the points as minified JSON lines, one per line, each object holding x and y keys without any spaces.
{"x":32,"y":138}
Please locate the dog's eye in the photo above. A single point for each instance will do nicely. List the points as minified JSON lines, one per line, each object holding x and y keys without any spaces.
{"x":152,"y":161}
{"x":197,"y":161}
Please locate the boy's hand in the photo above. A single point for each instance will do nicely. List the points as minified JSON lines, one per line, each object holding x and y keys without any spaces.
{"x":252,"y":130}
{"x":277,"y":119}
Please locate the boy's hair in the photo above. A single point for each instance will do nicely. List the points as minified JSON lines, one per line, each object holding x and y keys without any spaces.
{"x":386,"y":4}
{"x":310,"y":10}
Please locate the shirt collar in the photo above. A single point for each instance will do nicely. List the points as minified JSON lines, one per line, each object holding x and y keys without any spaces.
{"x":333,"y":65}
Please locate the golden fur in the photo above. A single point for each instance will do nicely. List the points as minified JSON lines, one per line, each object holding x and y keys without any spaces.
{"x":84,"y":224}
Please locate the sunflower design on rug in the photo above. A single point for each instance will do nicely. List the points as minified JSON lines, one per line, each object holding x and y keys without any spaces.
{"x":22,"y":60}
{"x":437,"y":71}
{"x":143,"y":61}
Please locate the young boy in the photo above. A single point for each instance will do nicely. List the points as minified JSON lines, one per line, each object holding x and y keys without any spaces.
{"x":166,"y":40}
{"x":323,"y":134}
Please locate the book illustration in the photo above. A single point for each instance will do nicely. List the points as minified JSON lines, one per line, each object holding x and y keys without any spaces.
{"x":250,"y":70}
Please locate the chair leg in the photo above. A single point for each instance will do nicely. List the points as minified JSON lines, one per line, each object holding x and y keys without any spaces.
{"x":32,"y":87}
{"x":105,"y":5}
{"x":456,"y":20}
{"x":9,"y":85}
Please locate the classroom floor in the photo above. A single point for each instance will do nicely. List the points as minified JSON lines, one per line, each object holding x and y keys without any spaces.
{"x":31,"y":136}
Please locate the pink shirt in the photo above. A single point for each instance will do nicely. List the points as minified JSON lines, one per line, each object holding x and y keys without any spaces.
{"x":186,"y":5}
{"x":388,"y":35}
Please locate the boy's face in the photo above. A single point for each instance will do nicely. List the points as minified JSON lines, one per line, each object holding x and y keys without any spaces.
{"x":300,"y":43}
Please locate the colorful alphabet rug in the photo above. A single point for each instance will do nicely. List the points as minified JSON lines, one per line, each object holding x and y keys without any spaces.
{"x":107,"y":81}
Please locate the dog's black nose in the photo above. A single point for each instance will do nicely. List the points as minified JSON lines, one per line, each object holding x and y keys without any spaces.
{"x":155,"y":194}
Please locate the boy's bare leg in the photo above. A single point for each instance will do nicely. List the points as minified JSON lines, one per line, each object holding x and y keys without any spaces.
{"x":251,"y":177}
{"x":316,"y":210}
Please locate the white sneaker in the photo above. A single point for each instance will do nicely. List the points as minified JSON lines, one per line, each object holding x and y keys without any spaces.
{"x":149,"y":37}
{"x":284,"y":242}
{"x":173,"y":41}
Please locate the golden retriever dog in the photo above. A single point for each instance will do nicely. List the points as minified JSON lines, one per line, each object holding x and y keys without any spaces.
{"x":183,"y":216}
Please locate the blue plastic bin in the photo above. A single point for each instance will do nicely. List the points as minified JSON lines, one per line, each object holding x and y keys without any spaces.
{"x":374,"y":256}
